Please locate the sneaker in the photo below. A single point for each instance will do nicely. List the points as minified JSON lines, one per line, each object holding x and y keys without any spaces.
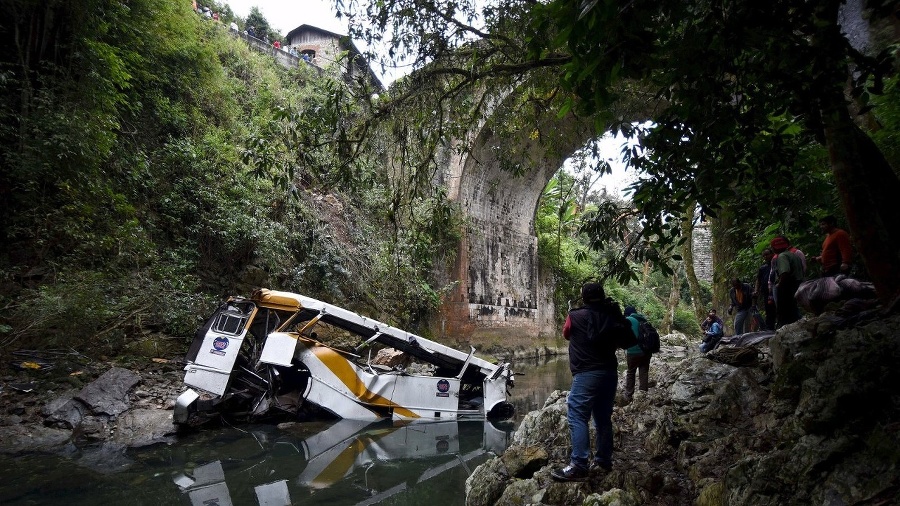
{"x":605,"y":466}
{"x":570,"y":473}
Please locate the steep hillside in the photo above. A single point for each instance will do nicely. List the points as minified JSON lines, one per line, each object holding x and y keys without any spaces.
{"x":153,"y":164}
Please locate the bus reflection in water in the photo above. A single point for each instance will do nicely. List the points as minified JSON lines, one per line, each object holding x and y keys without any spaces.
{"x":349,"y":454}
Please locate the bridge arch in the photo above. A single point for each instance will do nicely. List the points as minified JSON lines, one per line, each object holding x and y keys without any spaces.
{"x":499,"y":290}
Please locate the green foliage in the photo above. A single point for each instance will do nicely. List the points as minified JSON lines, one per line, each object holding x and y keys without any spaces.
{"x":153,"y":164}
{"x":559,"y":249}
{"x":887,"y":113}
{"x":260,"y":25}
{"x":731,"y":123}
{"x":652,"y":304}
{"x":96,"y":311}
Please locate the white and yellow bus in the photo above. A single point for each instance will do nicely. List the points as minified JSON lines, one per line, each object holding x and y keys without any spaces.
{"x":268,"y":352}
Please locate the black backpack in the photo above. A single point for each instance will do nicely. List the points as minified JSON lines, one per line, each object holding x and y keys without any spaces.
{"x":648,"y":337}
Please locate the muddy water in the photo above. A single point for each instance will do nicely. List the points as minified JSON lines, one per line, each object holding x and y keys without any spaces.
{"x":320,"y":463}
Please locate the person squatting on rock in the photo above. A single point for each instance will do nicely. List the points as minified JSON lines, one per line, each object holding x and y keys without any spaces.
{"x":837,"y":250}
{"x":790,"y":272}
{"x":742,"y":300}
{"x":713,"y":330}
{"x":711,"y":317}
{"x":594,"y":332}
{"x":637,"y":359}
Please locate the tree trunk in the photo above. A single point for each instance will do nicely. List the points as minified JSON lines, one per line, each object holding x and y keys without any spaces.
{"x":669,"y":317}
{"x":867,"y":184}
{"x":725,"y":246}
{"x":869,"y":189}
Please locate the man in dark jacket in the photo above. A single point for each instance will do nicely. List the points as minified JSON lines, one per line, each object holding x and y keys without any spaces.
{"x":766,"y":300}
{"x":742,"y":300}
{"x":594,"y":332}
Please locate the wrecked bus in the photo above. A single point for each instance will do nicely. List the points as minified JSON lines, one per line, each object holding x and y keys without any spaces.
{"x":267,"y":354}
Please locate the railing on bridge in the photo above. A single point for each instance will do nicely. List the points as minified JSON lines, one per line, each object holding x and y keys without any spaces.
{"x":282,"y":57}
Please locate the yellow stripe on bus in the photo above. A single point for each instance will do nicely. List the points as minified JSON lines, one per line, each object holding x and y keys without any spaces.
{"x":347,"y":374}
{"x":340,"y":466}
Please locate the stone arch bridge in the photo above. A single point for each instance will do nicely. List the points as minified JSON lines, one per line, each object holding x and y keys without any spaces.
{"x":499,"y":289}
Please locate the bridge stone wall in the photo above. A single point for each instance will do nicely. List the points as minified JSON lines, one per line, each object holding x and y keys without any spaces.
{"x":702,"y":248}
{"x":498,"y":289}
{"x":500,"y":292}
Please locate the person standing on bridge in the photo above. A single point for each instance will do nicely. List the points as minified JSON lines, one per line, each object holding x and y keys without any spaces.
{"x":594,"y":332}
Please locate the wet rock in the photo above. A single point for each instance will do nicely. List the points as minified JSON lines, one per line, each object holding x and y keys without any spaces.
{"x":142,"y":427}
{"x":712,"y":494}
{"x":547,"y":426}
{"x":78,"y":421}
{"x":614,"y":497}
{"x":523,"y":462}
{"x":56,"y":403}
{"x":529,"y":491}
{"x":67,"y":415}
{"x":566,"y":493}
{"x":92,"y":429}
{"x":108,"y":393}
{"x":32,"y":438}
{"x":486,"y":484}
{"x":106,"y":458}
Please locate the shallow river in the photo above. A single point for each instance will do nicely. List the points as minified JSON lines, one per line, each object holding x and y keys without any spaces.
{"x":319,"y":463}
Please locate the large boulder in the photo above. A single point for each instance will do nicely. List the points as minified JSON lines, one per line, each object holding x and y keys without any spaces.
{"x":108,"y":393}
{"x":835,"y":394}
{"x":486,"y":484}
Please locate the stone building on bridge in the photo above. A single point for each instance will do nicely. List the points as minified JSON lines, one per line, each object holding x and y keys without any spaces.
{"x":324,"y":49}
{"x":319,"y":48}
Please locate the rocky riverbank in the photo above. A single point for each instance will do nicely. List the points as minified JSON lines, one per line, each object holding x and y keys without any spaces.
{"x":64,"y":403}
{"x":811,"y":417}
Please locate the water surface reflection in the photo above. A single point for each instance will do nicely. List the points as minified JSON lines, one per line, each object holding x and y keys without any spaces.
{"x":536,"y":379}
{"x":349,"y":462}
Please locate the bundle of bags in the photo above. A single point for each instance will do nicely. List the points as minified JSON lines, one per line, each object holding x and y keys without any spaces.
{"x":814,"y":294}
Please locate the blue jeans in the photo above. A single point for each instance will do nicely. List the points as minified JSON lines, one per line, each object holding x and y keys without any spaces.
{"x":739,"y":318}
{"x":592,"y":393}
